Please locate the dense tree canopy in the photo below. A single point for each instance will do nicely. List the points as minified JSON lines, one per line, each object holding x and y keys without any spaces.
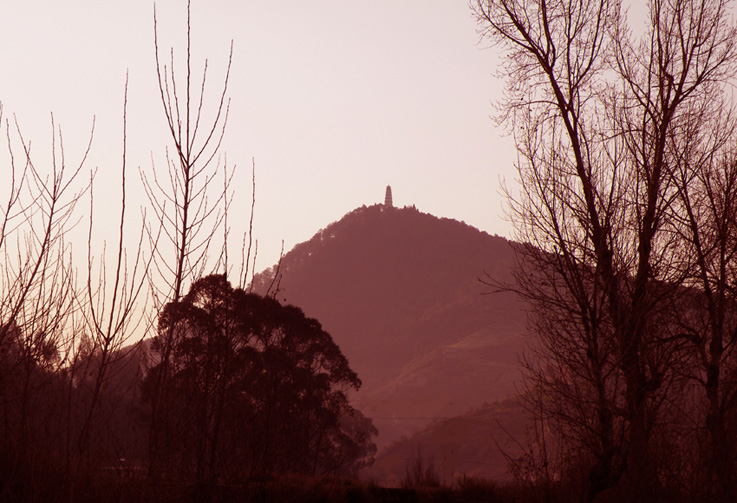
{"x":255,"y":387}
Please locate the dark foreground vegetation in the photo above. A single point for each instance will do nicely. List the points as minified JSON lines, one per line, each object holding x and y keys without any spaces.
{"x":120,"y":486}
{"x":240,"y":388}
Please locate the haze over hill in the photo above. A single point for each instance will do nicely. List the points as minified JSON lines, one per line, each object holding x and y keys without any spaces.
{"x":399,"y":291}
{"x":478,"y":443}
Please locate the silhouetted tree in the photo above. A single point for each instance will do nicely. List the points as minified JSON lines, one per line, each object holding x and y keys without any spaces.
{"x":255,"y":387}
{"x":38,"y":298}
{"x":112,"y":316}
{"x":600,"y":122}
{"x":187,"y":211}
{"x":65,"y":375}
{"x":706,"y":168}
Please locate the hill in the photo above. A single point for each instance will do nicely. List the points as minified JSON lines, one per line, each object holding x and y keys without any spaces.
{"x":399,"y":291}
{"x":475,"y":444}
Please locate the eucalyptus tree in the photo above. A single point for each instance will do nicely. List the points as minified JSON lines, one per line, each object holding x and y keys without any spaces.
{"x":256,"y":388}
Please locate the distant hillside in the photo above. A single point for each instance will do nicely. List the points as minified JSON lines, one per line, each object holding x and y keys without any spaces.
{"x":476,"y":443}
{"x":399,"y":291}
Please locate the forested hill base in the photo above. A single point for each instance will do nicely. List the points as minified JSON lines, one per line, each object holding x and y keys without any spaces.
{"x":400,"y":292}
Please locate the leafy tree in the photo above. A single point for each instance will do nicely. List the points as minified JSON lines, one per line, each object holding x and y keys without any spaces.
{"x":256,"y":387}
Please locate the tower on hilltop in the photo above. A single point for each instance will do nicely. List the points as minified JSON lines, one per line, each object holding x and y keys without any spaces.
{"x":388,"y":197}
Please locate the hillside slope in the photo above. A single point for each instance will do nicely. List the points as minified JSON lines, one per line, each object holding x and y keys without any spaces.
{"x":477,"y":443}
{"x":399,"y":291}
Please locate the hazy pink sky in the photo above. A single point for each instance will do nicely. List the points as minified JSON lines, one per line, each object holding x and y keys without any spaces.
{"x":333,"y":99}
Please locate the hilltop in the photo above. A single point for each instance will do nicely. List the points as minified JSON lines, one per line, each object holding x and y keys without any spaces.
{"x":400,"y":292}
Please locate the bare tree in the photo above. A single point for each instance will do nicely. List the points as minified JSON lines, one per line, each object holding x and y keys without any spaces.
{"x":61,"y":346}
{"x":38,"y":290}
{"x":113,"y":308}
{"x":185,"y":208}
{"x":707,"y":174}
{"x":598,"y":119}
